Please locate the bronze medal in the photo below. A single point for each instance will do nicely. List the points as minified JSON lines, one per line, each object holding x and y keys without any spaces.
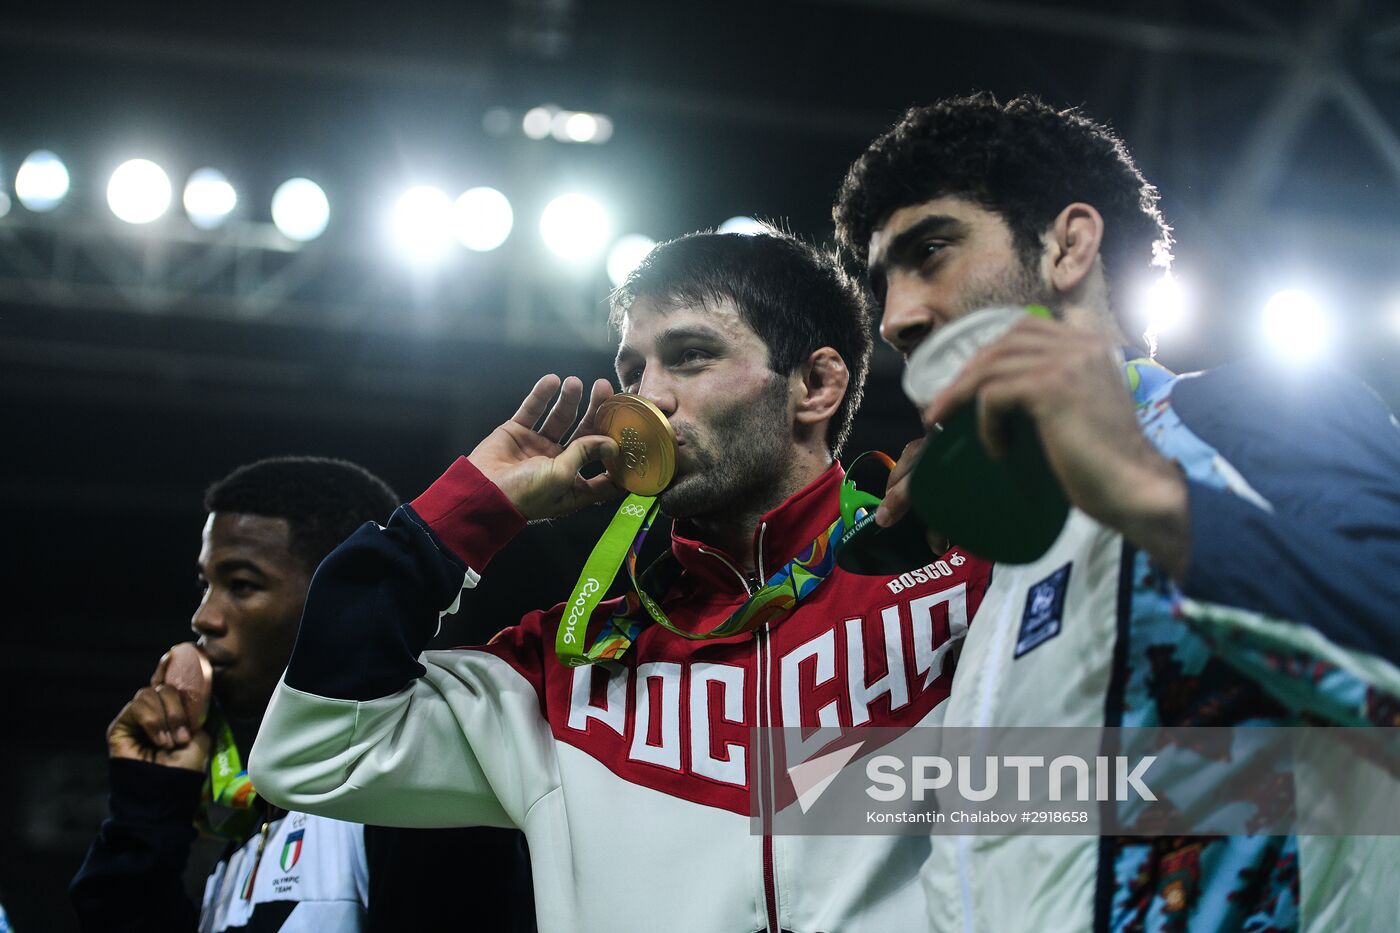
{"x":646,"y":461}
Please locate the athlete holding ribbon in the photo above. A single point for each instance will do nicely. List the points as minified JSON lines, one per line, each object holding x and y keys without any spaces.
{"x":618,"y":734}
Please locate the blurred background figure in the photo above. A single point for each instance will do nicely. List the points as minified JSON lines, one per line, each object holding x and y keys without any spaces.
{"x":269,"y":524}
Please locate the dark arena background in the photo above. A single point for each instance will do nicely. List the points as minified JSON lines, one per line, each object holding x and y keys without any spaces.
{"x":155,"y":333}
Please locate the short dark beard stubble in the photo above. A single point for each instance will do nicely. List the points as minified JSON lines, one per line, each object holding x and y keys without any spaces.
{"x":744,"y":463}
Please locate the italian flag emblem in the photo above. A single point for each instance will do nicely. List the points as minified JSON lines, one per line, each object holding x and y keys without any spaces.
{"x":291,"y":849}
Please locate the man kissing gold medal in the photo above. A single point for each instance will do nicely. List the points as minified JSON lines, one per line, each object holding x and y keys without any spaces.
{"x":739,"y":365}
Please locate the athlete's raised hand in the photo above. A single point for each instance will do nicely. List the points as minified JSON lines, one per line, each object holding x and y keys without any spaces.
{"x":163,"y":723}
{"x":534,"y":457}
{"x":896,"y":502}
{"x":1069,"y":381}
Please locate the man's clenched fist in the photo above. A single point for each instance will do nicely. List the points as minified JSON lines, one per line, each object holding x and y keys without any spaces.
{"x":164,"y":722}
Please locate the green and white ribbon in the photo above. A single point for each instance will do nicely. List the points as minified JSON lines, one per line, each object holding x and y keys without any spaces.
{"x":227,"y":807}
{"x":622,"y":541}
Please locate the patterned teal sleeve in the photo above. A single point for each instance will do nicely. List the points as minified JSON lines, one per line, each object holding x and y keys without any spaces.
{"x":1299,"y":666}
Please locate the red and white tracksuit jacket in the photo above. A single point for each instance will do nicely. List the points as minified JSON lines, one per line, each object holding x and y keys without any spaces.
{"x":632,"y":781}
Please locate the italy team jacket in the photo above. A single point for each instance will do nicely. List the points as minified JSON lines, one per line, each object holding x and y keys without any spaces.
{"x":632,"y":781}
{"x":304,"y":872}
{"x":308,"y":873}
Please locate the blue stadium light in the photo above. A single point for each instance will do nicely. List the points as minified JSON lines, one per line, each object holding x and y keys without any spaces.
{"x":577,"y":126}
{"x":300,"y":209}
{"x":626,"y":254}
{"x":1296,"y":325}
{"x":138,"y":191}
{"x":209,"y":198}
{"x":743,"y":224}
{"x":1164,"y":307}
{"x":482,"y":219}
{"x":575,"y":227}
{"x":537,"y":122}
{"x":42,"y":181}
{"x":422,"y":224}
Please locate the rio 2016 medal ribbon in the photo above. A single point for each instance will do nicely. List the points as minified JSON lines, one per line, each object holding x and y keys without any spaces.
{"x":622,"y":541}
{"x":646,"y":460}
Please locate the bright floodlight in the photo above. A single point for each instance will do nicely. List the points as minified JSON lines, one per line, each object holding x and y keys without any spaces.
{"x":1392,"y":312}
{"x":741,"y":224}
{"x":42,"y":181}
{"x":422,"y":223}
{"x":626,"y":254}
{"x":536,"y":122}
{"x":4,"y":204}
{"x":1296,"y":325}
{"x":580,"y":128}
{"x":209,"y":198}
{"x":300,"y":209}
{"x":482,"y":219}
{"x":577,"y":126}
{"x":574,"y":226}
{"x":1165,"y":306}
{"x":139,"y":191}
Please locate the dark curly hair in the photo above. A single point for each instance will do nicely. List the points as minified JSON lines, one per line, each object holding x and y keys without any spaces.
{"x":794,"y":296}
{"x":1023,"y":160}
{"x":323,"y":500}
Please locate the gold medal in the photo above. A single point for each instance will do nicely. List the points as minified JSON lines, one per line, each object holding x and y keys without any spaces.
{"x":646,"y":461}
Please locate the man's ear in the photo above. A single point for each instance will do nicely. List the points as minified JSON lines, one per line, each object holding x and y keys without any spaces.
{"x":822,"y":383}
{"x":1072,"y":243}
